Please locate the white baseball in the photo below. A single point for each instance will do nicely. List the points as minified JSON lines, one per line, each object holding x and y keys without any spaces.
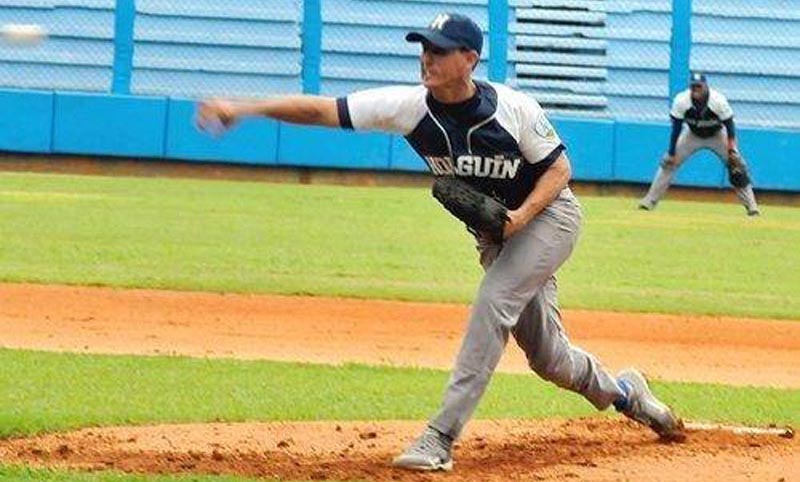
{"x":22,"y":34}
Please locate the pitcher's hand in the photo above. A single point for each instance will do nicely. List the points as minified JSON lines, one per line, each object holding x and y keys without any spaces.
{"x":215,"y":116}
{"x":515,"y":223}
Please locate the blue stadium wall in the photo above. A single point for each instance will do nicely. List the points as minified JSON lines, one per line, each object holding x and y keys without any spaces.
{"x":117,"y":78}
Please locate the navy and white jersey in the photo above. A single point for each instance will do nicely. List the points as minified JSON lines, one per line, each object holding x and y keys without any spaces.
{"x":500,"y":141}
{"x":704,"y":122}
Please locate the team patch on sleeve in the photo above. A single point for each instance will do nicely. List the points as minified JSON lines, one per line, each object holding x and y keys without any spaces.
{"x":543,"y":127}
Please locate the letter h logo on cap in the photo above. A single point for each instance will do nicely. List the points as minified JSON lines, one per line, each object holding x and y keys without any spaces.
{"x":439,"y":21}
{"x":697,"y":78}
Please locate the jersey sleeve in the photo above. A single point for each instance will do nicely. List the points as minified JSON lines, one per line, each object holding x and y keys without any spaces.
{"x":538,"y":140}
{"x":396,"y":109}
{"x":681,"y":104}
{"x":720,"y":106}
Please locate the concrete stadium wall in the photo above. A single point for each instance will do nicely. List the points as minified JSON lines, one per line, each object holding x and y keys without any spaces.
{"x":161,"y":127}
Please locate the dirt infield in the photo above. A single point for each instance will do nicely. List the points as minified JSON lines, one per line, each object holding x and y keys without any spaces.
{"x":102,"y":320}
{"x":586,"y":449}
{"x":326,"y":330}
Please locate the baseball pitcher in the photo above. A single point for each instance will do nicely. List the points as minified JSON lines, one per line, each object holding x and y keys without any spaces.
{"x":502,"y":169}
{"x":709,"y":118}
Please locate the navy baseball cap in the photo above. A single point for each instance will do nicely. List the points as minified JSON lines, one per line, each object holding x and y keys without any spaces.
{"x":697,"y":78}
{"x":450,"y":31}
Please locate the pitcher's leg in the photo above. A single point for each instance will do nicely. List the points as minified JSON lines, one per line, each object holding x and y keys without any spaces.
{"x":481,"y":349}
{"x":540,"y":334}
{"x":521,"y":268}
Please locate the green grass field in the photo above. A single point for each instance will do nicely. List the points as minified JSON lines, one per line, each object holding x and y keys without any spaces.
{"x":50,"y":391}
{"x":42,"y":392}
{"x":381,"y":242}
{"x":27,"y":474}
{"x":363,"y":242}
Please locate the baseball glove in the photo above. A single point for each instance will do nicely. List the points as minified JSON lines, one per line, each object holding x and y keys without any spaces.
{"x":478,"y":211}
{"x":737,"y":170}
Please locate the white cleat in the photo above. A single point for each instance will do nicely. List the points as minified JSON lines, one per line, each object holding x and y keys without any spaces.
{"x":431,"y":451}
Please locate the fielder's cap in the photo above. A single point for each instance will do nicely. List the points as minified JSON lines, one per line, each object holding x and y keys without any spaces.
{"x":450,"y":31}
{"x":697,"y":78}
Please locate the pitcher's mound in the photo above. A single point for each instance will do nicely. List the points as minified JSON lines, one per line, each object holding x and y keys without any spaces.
{"x":596,"y":449}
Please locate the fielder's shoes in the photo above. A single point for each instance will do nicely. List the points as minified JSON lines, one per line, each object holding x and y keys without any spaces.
{"x":642,"y":406}
{"x":646,"y":205}
{"x":431,"y":451}
{"x":753,"y":213}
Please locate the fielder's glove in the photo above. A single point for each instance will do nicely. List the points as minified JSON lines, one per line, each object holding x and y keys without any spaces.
{"x":479,"y":212}
{"x":737,"y":171}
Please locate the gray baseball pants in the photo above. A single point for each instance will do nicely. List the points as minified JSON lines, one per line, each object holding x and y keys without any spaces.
{"x":688,"y":143}
{"x":518,"y":295}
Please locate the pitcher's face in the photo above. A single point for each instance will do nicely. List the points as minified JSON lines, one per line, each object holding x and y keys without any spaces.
{"x":441,"y":67}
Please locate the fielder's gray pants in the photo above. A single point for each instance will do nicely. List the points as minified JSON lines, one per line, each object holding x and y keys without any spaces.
{"x":518,"y":296}
{"x":688,"y":144}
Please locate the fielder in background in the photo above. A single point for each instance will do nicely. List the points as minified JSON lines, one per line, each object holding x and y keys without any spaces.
{"x":709,"y":118}
{"x":500,"y":143}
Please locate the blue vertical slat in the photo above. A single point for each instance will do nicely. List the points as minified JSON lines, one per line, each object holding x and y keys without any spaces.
{"x":312,"y":45}
{"x":681,"y":45}
{"x":123,"y":46}
{"x":498,"y":40}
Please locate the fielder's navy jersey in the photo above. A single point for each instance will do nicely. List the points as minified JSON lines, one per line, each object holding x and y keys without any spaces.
{"x":500,"y":140}
{"x":704,"y":122}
